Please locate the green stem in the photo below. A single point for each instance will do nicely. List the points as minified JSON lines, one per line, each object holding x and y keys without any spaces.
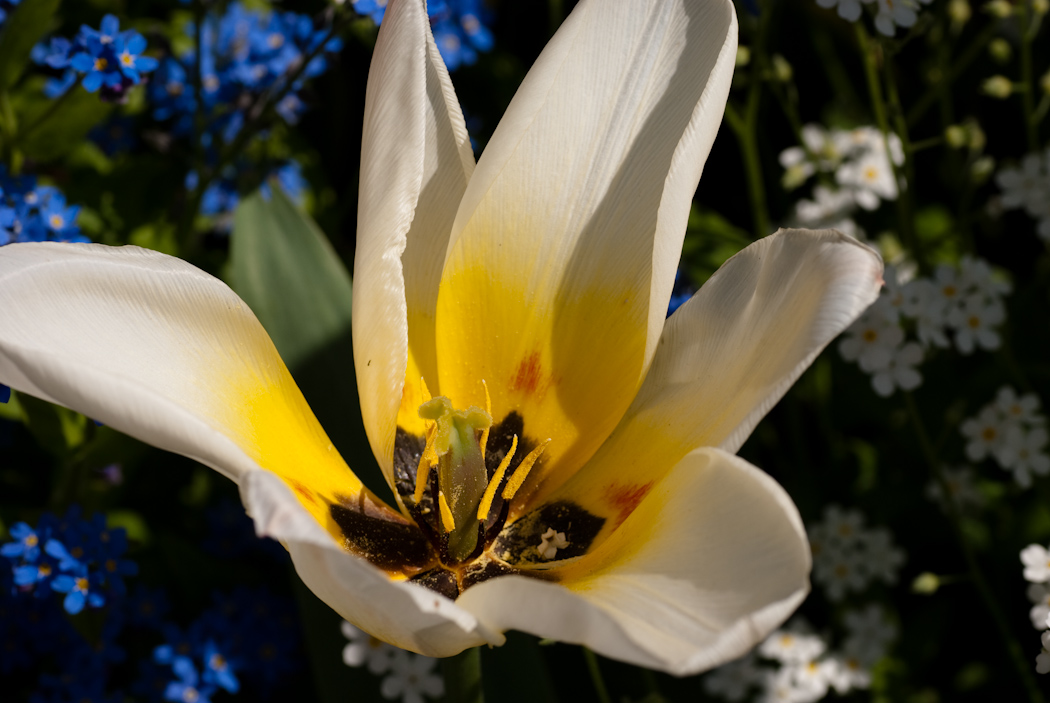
{"x":596,"y":675}
{"x":1013,"y":647}
{"x":878,"y":106}
{"x":54,"y":107}
{"x":974,"y":49}
{"x":904,"y":198}
{"x":1027,"y":80}
{"x":745,"y":134}
{"x":463,"y":677}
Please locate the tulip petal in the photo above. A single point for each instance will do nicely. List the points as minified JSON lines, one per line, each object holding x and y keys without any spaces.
{"x":727,"y":356}
{"x":415,"y":162}
{"x":160,"y":350}
{"x":564,"y":248}
{"x":398,"y":612}
{"x":712,"y":560}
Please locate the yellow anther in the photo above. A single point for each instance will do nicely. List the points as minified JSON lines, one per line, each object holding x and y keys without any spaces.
{"x":490,"y":491}
{"x":427,"y":459}
{"x":522,"y":472}
{"x":446,"y":514}
{"x":485,"y":433}
{"x":424,"y":392}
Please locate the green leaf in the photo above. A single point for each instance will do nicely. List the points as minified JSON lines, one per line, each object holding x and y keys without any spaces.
{"x":56,"y":429}
{"x":27,"y":25}
{"x":287,"y":272}
{"x":53,"y":128}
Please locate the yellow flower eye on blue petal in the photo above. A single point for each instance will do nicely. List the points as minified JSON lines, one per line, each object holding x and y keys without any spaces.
{"x":561,"y":455}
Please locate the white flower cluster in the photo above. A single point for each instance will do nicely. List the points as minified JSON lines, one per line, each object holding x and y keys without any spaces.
{"x":891,"y":13}
{"x":1036,"y":560}
{"x":804,"y":670}
{"x":1012,"y":431}
{"x":1028,"y":187}
{"x":847,"y":556}
{"x":406,"y":676}
{"x":859,"y":160}
{"x":964,"y":300}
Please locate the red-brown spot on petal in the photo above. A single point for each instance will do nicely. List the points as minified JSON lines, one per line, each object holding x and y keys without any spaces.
{"x":527,"y":377}
{"x":625,"y":498}
{"x":304,"y":492}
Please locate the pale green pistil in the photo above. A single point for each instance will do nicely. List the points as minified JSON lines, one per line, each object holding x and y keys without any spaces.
{"x":462,"y":476}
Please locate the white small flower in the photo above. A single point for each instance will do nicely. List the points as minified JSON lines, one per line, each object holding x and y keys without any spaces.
{"x":849,"y":10}
{"x":871,"y":341}
{"x":848,"y":673}
{"x":1036,"y":560}
{"x":986,"y":433}
{"x":779,"y":687}
{"x":925,"y":304}
{"x":364,"y":649}
{"x":842,"y":572}
{"x":895,"y":13}
{"x":1023,"y":409}
{"x":1022,"y":452}
{"x":870,"y":632}
{"x":827,"y":206}
{"x":978,"y":276}
{"x":870,"y":178}
{"x":1026,"y":187}
{"x":962,"y":486}
{"x":734,"y":681}
{"x":882,"y":558}
{"x":411,"y":678}
{"x":1042,"y":660}
{"x":974,"y":324}
{"x":842,"y":526}
{"x":1039,"y":594}
{"x":790,"y":646}
{"x":813,"y":678}
{"x":948,"y":285}
{"x":550,"y":543}
{"x":900,"y":371}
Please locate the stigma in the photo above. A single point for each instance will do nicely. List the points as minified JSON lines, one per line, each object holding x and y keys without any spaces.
{"x":466,"y":489}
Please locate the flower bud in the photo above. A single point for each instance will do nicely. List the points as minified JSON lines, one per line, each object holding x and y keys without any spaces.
{"x":998,"y":87}
{"x":982,"y":168}
{"x":926,"y":584}
{"x":999,"y":8}
{"x":959,"y":11}
{"x":955,"y":135}
{"x":1000,"y":50}
{"x":782,"y":70}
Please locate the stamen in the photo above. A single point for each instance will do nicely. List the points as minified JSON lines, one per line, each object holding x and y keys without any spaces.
{"x":485,"y":432}
{"x":522,"y":472}
{"x":490,"y":491}
{"x":424,"y":392}
{"x":427,"y":459}
{"x":446,"y":514}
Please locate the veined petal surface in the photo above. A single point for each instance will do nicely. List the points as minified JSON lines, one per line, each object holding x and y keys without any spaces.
{"x":563,"y":251}
{"x":727,"y":356}
{"x":712,"y":560}
{"x":401,"y":613}
{"x":415,"y":162}
{"x":160,"y":350}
